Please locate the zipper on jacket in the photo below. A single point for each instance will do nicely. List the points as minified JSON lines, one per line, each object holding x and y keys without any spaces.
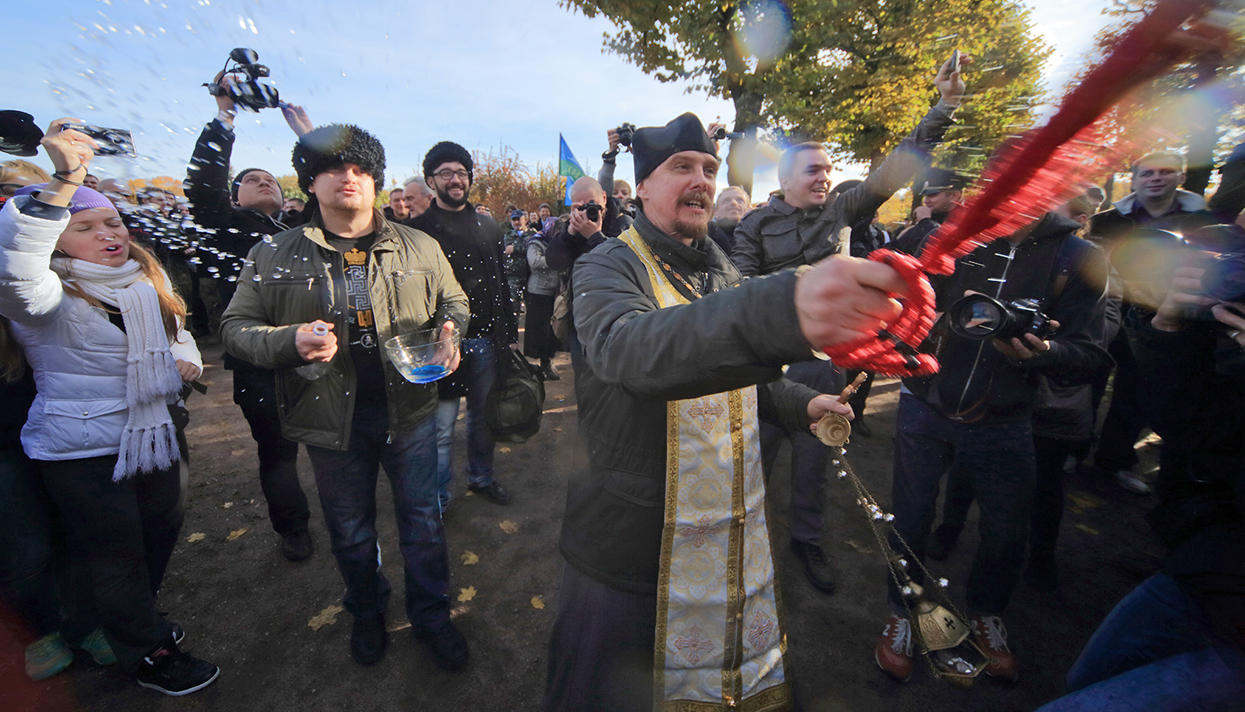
{"x":1001,"y":280}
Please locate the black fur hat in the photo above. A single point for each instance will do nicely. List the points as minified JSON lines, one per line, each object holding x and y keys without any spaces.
{"x":327,"y":147}
{"x":448,"y":152}
{"x":652,"y":145}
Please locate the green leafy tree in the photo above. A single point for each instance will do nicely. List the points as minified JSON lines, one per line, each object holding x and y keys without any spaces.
{"x":855,"y":73}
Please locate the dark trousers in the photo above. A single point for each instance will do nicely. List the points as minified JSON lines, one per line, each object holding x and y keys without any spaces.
{"x":998,"y":459}
{"x":346,"y":481}
{"x":26,"y":578}
{"x":601,"y":650}
{"x":256,"y":393}
{"x":1049,"y":456}
{"x":857,"y":401}
{"x":538,"y":338}
{"x":808,"y":454}
{"x":119,"y":537}
{"x":1124,"y":420}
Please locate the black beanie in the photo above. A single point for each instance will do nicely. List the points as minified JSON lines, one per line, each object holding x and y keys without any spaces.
{"x":448,"y":152}
{"x":652,"y":145}
{"x":237,"y":181}
{"x":327,"y":147}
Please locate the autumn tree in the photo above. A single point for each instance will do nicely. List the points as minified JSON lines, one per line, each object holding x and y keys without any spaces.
{"x":501,"y":180}
{"x":796,"y":66}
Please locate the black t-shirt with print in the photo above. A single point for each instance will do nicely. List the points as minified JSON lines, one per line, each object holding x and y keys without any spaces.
{"x":361,"y":335}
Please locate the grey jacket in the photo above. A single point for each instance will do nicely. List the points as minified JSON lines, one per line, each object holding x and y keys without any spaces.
{"x":778,"y":236}
{"x":636,"y":358}
{"x":287,"y":283}
{"x":542,"y":279}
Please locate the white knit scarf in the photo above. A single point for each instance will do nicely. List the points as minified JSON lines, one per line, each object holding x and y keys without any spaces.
{"x":149,"y":441}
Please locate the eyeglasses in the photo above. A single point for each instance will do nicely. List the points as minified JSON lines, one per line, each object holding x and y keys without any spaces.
{"x":446,"y":174}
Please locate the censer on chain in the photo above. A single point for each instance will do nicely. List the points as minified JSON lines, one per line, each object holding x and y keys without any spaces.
{"x":942,"y":635}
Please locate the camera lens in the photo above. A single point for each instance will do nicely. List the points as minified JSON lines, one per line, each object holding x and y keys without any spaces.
{"x":978,"y":317}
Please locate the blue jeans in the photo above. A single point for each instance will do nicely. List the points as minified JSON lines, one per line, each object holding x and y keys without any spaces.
{"x":998,"y":459}
{"x":1155,"y":651}
{"x":480,"y":366}
{"x":346,"y":481}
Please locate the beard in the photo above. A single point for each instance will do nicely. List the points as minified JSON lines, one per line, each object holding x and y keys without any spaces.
{"x":443,"y":194}
{"x":691,"y":229}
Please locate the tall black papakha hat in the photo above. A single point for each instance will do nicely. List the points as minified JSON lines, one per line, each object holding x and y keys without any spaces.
{"x":327,"y":147}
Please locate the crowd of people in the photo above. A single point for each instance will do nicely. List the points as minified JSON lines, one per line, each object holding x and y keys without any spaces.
{"x":693,"y":325}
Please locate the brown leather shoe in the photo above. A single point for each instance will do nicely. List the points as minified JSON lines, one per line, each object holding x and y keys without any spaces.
{"x":893,"y":652}
{"x":991,"y":636}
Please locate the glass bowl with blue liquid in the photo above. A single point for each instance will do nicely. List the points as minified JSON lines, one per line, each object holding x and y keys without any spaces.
{"x":423,"y":356}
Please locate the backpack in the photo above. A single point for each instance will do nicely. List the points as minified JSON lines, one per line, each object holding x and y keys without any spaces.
{"x":514,"y":406}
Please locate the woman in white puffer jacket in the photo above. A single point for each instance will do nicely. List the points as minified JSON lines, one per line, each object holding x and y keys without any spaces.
{"x":101,"y":328}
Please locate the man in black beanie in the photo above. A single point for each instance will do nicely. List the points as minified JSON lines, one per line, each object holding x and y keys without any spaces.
{"x":473,"y":244}
{"x":668,"y":598}
{"x":351,"y":275}
{"x":242,"y":212}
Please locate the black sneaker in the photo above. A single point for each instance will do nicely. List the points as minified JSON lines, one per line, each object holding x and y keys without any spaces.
{"x":179,"y":633}
{"x":172,"y":672}
{"x":493,"y":492}
{"x":816,"y":565}
{"x":296,"y":545}
{"x":447,"y":645}
{"x":368,"y":639}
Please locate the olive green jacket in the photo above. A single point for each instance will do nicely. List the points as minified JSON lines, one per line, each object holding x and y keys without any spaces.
{"x":287,"y":283}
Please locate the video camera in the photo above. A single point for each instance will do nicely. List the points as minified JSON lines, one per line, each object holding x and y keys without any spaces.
{"x":246,"y":89}
{"x":625,"y":133}
{"x":19,"y":135}
{"x":980,"y":317}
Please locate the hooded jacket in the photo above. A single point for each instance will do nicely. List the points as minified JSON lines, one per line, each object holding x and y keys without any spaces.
{"x":1067,"y":275}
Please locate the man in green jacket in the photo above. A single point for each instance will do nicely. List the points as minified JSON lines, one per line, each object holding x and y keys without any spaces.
{"x":350,"y":274}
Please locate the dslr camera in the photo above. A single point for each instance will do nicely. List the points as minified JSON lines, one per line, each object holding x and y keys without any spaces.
{"x":592,"y":209}
{"x":980,"y":317}
{"x":246,"y":88}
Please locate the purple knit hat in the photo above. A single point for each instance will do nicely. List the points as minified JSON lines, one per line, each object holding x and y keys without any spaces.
{"x":84,"y":198}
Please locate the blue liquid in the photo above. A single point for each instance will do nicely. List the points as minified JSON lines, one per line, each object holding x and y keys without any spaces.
{"x":424,"y":374}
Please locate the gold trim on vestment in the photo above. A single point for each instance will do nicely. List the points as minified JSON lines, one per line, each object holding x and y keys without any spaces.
{"x":718,"y":630}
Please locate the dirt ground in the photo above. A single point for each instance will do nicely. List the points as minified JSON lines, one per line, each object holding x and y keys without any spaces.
{"x":281,"y":642}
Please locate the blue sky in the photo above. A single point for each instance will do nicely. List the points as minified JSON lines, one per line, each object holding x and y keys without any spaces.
{"x":483,"y":73}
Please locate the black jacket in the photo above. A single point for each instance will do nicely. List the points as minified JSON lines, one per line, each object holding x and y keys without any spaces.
{"x":207,"y":190}
{"x":1068,"y":275}
{"x":1188,"y":213}
{"x":235,"y":229}
{"x":638,"y":357}
{"x":778,"y":236}
{"x":473,"y":245}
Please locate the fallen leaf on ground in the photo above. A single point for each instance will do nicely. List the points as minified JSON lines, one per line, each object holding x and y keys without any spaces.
{"x":1087,"y":529}
{"x":235,"y":534}
{"x":538,"y":603}
{"x":503,"y":450}
{"x":557,"y":430}
{"x":196,"y":537}
{"x":508,"y":526}
{"x":1081,"y":501}
{"x":328,"y":616}
{"x":226,"y":505}
{"x":466,"y":594}
{"x":470,"y":558}
{"x":239,"y":452}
